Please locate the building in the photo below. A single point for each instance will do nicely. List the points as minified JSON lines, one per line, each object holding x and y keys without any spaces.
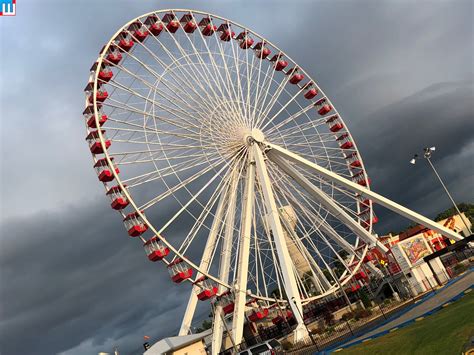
{"x":411,"y":246}
{"x":436,"y":240}
{"x":193,"y":344}
{"x":421,"y":277}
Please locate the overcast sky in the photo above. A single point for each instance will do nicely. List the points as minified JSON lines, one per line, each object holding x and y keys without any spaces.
{"x":400,"y":73}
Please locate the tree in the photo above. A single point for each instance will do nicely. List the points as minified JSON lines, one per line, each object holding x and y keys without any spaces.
{"x":467,"y":208}
{"x":206,"y":324}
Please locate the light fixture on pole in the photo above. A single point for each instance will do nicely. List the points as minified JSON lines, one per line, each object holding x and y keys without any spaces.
{"x":427,"y":152}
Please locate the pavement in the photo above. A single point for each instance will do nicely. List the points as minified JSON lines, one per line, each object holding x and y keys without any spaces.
{"x":421,"y":308}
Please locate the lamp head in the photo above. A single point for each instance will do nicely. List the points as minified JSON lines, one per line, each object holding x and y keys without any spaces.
{"x":413,"y":161}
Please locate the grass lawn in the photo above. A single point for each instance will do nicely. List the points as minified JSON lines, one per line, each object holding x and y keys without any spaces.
{"x":444,"y":332}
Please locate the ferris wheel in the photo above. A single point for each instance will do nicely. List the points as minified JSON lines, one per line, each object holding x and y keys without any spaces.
{"x":230,"y":166}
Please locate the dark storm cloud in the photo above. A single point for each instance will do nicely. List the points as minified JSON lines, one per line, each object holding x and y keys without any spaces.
{"x":76,"y":276}
{"x":400,"y":73}
{"x":440,"y":115}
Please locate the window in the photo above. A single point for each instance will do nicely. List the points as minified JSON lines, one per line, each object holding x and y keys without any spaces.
{"x":259,"y":349}
{"x":274,"y":343}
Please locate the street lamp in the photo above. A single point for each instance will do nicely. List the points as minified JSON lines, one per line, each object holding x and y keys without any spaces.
{"x":427,"y":155}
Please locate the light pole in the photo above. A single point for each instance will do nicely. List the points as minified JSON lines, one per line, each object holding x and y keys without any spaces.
{"x":427,"y":155}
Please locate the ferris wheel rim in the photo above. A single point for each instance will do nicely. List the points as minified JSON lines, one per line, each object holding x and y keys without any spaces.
{"x":129,"y":196}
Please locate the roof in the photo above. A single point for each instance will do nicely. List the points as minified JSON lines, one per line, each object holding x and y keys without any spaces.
{"x":412,"y":231}
{"x":175,"y":343}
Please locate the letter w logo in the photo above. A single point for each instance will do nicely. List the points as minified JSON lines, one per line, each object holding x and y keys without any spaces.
{"x":8,"y":7}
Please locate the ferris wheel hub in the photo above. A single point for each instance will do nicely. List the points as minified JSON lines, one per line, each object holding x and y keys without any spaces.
{"x":255,"y":135}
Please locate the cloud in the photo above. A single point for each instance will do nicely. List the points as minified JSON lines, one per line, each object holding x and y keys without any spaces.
{"x":71,"y":281}
{"x":75,"y":277}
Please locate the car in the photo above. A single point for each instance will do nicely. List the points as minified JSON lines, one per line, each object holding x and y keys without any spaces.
{"x":269,"y":347}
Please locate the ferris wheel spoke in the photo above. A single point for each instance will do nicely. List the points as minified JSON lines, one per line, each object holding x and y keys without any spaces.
{"x":328,"y":203}
{"x":291,"y":100}
{"x":295,"y":239}
{"x":179,"y":186}
{"x":155,"y":104}
{"x":153,"y":88}
{"x":300,"y":128}
{"x":233,"y":92}
{"x":165,"y":172}
{"x":261,"y":100}
{"x":197,"y":73}
{"x":227,"y":83}
{"x":274,"y":98}
{"x":174,"y":60}
{"x":272,"y":259}
{"x":199,"y":221}
{"x":216,"y":71}
{"x":194,"y":197}
{"x":258,"y":91}
{"x":237,"y":64}
{"x":176,"y":90}
{"x":146,"y":129}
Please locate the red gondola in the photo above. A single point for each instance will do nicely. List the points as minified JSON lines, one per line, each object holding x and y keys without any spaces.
{"x":282,"y":316}
{"x":125,"y":42}
{"x":138,"y":30}
{"x":335,"y":123}
{"x":226,"y":300}
{"x":361,"y":276}
{"x":245,"y":41}
{"x":258,"y":314}
{"x":323,"y":107}
{"x":360,"y":179}
{"x":188,"y":23}
{"x":353,"y":160}
{"x":279,"y":63}
{"x":207,"y":28}
{"x":179,"y":270}
{"x":344,"y":141}
{"x":172,"y":24}
{"x":353,"y":288}
{"x":100,"y":96}
{"x":104,"y":171}
{"x":311,"y":93}
{"x":114,"y":56}
{"x":94,"y":142}
{"x":134,"y":224}
{"x":295,"y":77}
{"x":206,"y":288}
{"x":119,"y":200}
{"x":368,"y":258}
{"x":155,"y":26}
{"x":226,"y":33}
{"x":365,"y":216}
{"x":90,"y":117}
{"x":105,"y":74}
{"x":261,"y":51}
{"x":155,"y":249}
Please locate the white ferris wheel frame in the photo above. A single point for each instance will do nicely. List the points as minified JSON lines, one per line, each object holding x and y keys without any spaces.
{"x":256,"y":166}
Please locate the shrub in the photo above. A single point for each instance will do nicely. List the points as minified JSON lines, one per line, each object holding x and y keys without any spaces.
{"x":347,"y":316}
{"x":286,"y":345}
{"x":364,"y":298}
{"x":460,"y":268}
{"x":362,"y":313}
{"x":330,"y":330}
